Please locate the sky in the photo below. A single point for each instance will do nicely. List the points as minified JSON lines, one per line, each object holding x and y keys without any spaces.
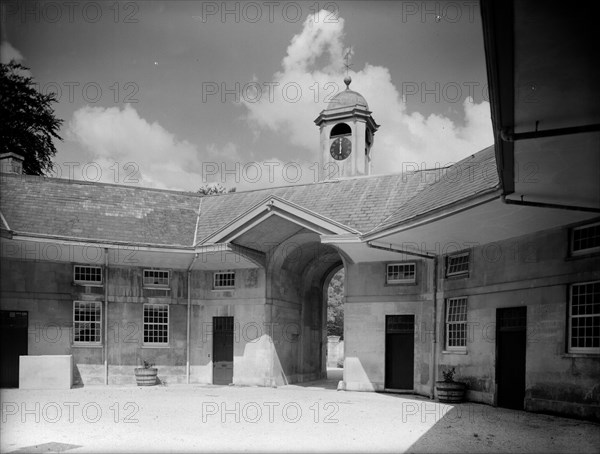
{"x":177,"y":94}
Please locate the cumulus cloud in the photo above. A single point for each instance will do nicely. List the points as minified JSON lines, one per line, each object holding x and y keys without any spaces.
{"x":313,"y":66}
{"x":145,"y":153}
{"x":122,"y":147}
{"x":8,"y":53}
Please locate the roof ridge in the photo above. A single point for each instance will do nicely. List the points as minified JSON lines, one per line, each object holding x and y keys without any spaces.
{"x":54,"y":180}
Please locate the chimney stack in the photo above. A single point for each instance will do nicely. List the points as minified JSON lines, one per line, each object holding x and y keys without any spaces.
{"x":11,"y":163}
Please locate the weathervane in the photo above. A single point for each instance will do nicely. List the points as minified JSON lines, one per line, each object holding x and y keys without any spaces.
{"x":347,"y":65}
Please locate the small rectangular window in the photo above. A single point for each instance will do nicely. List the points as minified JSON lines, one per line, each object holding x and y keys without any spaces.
{"x":224,"y":279}
{"x":401,"y":273}
{"x":83,"y":274}
{"x":456,"y":323}
{"x":584,"y":318}
{"x":156,"y":278}
{"x":156,"y":324}
{"x":457,"y":264}
{"x":87,"y":322}
{"x":585,"y":239}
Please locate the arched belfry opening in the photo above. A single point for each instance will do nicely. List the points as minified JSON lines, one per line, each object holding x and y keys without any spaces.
{"x":340,"y":130}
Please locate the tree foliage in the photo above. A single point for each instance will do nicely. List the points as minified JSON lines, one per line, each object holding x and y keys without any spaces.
{"x":28,"y":124}
{"x":335,"y":305}
{"x":213,"y":188}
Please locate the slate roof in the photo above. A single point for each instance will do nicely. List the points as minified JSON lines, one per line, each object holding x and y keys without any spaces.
{"x":99,"y":211}
{"x":471,"y":176}
{"x":59,"y":207}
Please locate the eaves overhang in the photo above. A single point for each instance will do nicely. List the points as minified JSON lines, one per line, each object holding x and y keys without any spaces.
{"x":276,"y":206}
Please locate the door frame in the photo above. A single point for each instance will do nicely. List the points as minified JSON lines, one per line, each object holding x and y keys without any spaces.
{"x":26,"y":337}
{"x":497,"y":352}
{"x":396,"y":390}
{"x":214,"y":344}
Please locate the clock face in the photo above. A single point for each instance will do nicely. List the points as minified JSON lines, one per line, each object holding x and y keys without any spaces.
{"x":340,"y":148}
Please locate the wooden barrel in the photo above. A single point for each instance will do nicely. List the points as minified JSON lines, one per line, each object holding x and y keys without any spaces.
{"x":450,"y":391}
{"x":146,"y":377}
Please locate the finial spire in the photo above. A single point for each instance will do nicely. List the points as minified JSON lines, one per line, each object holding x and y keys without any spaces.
{"x":347,"y":65}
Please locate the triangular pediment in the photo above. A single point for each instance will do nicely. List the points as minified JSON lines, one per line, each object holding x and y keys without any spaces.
{"x":274,"y":220}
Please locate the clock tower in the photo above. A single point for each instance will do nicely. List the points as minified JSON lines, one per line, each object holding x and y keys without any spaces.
{"x":347,"y":133}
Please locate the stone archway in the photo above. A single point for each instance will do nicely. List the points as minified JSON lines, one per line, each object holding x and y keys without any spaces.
{"x":297,"y":272}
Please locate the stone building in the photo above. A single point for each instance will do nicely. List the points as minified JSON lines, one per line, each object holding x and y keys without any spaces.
{"x":472,"y":266}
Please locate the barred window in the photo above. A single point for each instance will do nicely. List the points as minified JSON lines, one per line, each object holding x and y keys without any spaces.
{"x":401,"y":273}
{"x":156,"y":278}
{"x":585,"y":239}
{"x":156,"y":324}
{"x":456,"y":323}
{"x":87,"y":322}
{"x":457,"y":264}
{"x":83,"y":274}
{"x":224,"y":279}
{"x":584,"y":318}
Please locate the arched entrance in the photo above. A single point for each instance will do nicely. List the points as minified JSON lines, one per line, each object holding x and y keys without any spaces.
{"x":298,"y":273}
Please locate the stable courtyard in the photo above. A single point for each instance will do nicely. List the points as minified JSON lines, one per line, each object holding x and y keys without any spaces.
{"x":310,"y":417}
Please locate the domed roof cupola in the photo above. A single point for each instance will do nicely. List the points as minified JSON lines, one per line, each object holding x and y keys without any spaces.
{"x":348,"y":98}
{"x":347,"y":133}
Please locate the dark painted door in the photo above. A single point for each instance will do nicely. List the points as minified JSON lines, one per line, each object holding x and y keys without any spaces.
{"x":399,"y":351}
{"x":222,"y":350}
{"x":13,"y":343}
{"x":511,"y":344}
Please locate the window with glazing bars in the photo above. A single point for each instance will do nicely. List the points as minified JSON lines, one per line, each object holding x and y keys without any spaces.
{"x":156,"y":323}
{"x":224,"y":279}
{"x":401,"y":273}
{"x":457,"y":264}
{"x":87,"y":274}
{"x":585,"y":238}
{"x":456,"y":323}
{"x":87,"y":322}
{"x":156,"y":278}
{"x":584,"y":318}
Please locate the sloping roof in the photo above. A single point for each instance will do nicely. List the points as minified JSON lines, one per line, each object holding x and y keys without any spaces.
{"x":58,"y":207}
{"x":360,"y":203}
{"x":76,"y":209}
{"x":99,"y":211}
{"x":472,"y":176}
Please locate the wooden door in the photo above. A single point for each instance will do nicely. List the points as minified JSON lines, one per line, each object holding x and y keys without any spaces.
{"x":511,"y":345}
{"x":13,"y":343}
{"x":222,"y":350}
{"x":399,"y":351}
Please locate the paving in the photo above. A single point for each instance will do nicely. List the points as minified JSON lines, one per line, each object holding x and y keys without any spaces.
{"x":312,"y":417}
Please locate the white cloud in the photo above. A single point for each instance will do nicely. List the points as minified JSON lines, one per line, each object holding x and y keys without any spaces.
{"x":8,"y":53}
{"x":119,"y":146}
{"x":403,"y":137}
{"x":114,"y":137}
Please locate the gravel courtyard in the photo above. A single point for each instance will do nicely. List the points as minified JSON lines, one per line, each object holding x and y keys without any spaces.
{"x":314,"y":417}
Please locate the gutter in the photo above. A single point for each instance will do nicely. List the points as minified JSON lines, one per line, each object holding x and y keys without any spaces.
{"x":433,"y":361}
{"x":549,"y":205}
{"x":189,"y":314}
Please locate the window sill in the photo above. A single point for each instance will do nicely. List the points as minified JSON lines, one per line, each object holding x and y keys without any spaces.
{"x":455,"y":352}
{"x":87,"y":284}
{"x":458,"y":276}
{"x":155,"y":346}
{"x":223,"y":289}
{"x":87,"y":346}
{"x":580,"y":355}
{"x":582,"y":255}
